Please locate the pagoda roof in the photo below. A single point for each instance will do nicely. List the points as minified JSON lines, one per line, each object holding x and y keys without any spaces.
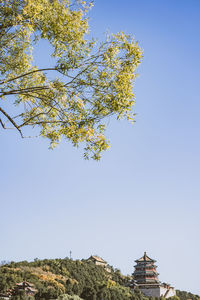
{"x":25,"y":283}
{"x":152,"y":266}
{"x":145,"y":272}
{"x":97,"y":258}
{"x":145,"y":258}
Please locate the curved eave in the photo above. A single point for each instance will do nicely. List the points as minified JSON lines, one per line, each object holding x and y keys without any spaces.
{"x":149,"y":260}
{"x":138,"y":266}
{"x":146,"y":273}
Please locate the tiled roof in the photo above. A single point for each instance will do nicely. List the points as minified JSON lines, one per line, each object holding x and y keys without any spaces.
{"x":25,"y":283}
{"x":97,"y":258}
{"x":145,"y":258}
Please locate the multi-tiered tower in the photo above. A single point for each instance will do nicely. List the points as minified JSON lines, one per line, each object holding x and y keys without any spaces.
{"x":145,"y":273}
{"x":145,"y":277}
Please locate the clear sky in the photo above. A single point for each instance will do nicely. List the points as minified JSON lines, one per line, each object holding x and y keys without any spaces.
{"x":144,"y":194}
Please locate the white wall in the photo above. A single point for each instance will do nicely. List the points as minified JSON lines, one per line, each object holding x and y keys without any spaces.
{"x":158,"y":292}
{"x":153,"y":292}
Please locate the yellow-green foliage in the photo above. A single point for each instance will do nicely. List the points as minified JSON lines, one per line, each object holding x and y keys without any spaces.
{"x":92,"y":81}
{"x":54,"y":278}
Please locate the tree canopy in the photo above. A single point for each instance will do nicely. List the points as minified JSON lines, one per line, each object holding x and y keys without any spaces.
{"x":60,"y":278}
{"x":88,"y":82}
{"x":67,"y":279}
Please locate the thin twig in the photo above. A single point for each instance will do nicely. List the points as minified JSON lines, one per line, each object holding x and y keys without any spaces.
{"x":29,"y":73}
{"x":11,"y":120}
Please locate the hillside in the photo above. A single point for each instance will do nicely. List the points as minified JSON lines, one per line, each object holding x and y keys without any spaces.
{"x":59,"y":278}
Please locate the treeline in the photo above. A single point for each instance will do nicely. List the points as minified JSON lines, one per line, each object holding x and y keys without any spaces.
{"x":60,"y":278}
{"x":67,"y":279}
{"x":186,"y":295}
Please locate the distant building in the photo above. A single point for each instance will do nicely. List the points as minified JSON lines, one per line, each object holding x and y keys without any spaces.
{"x":98,"y":261}
{"x":23,"y":287}
{"x":145,"y":277}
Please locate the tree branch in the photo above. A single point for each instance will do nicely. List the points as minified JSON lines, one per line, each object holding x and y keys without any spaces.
{"x":29,"y":73}
{"x":33,"y":117}
{"x":11,"y":120}
{"x":26,"y":90}
{"x":2,"y":124}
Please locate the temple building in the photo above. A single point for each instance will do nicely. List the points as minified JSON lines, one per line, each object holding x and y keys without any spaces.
{"x":98,"y":261}
{"x":145,"y":277}
{"x":26,"y":287}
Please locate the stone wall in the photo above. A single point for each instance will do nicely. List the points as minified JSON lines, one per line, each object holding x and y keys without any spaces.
{"x":159,"y":291}
{"x":151,"y":292}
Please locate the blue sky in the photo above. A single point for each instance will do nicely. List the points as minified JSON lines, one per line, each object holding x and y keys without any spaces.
{"x":144,"y":193}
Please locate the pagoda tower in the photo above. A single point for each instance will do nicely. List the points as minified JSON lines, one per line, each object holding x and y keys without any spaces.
{"x":145,"y":277}
{"x":145,"y":274}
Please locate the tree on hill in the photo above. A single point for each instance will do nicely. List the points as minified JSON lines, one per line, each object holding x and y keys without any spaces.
{"x":69,"y":297}
{"x":183,"y":295}
{"x":65,"y":279}
{"x":87,"y":83}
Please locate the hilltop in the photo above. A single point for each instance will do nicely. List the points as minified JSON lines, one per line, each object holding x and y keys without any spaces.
{"x":65,"y":279}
